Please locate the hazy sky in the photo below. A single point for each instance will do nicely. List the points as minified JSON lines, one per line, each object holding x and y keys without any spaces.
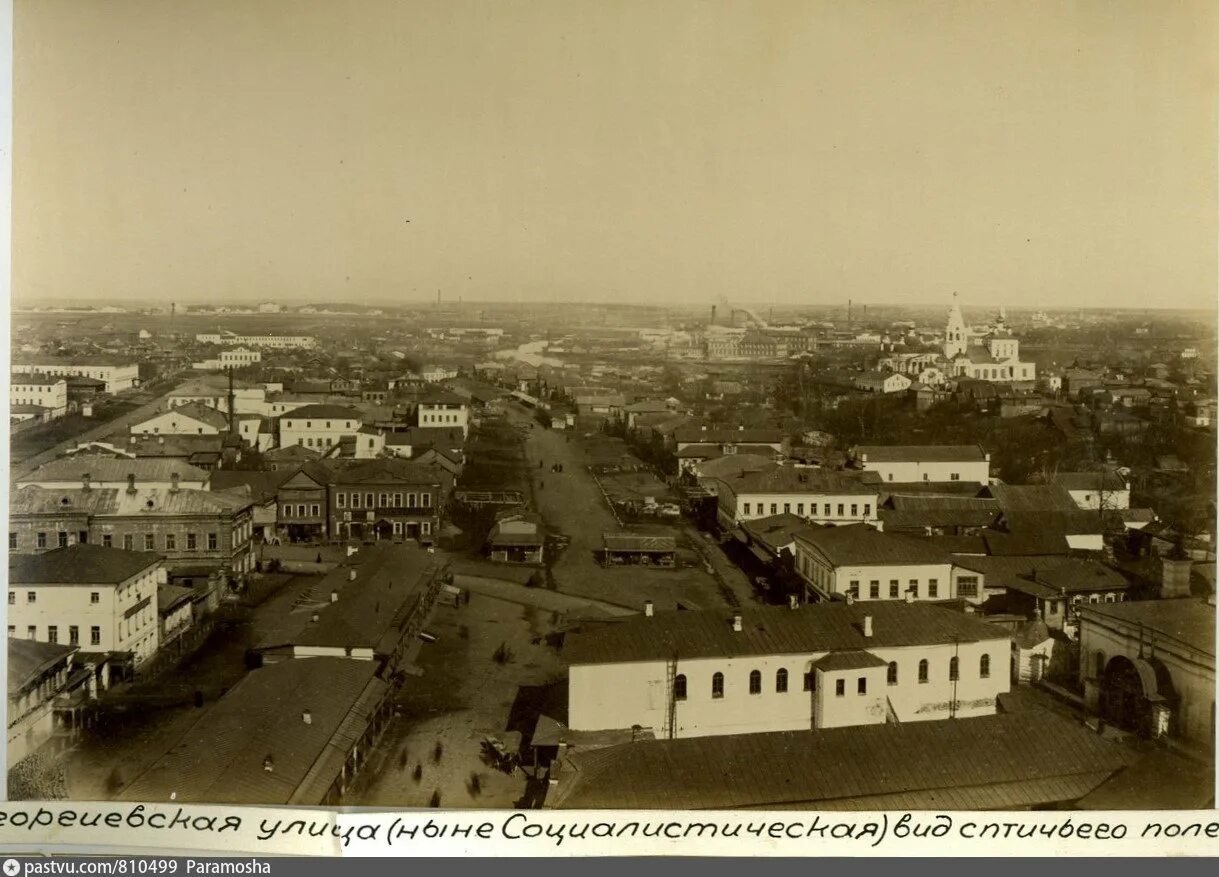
{"x":1026,"y":152}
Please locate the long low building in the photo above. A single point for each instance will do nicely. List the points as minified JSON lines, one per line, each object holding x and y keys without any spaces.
{"x":117,"y":377}
{"x":296,"y":732}
{"x":698,"y":673}
{"x":1007,"y":761}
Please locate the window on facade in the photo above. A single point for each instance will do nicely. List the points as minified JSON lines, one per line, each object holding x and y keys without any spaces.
{"x":892,"y":678}
{"x":150,"y":542}
{"x":213,"y":541}
{"x":717,"y":685}
{"x":52,"y":634}
{"x":922,"y":670}
{"x":191,"y":542}
{"x":954,"y":669}
{"x":861,"y":685}
{"x":95,"y":597}
{"x":867,"y":509}
{"x":368,"y":500}
{"x":926,"y":477}
{"x":933,"y":588}
{"x":340,"y":500}
{"x":355,"y":500}
{"x":73,"y":635}
{"x":913,"y":588}
{"x":12,"y":541}
{"x":800,"y":509}
{"x":874,"y":590}
{"x":894,"y":589}
{"x":300,"y":510}
{"x":63,"y":539}
{"x":840,"y":508}
{"x":287,"y":511}
{"x":679,"y":687}
{"x":41,"y":540}
{"x":810,"y":681}
{"x":95,"y":636}
{"x":12,"y":630}
{"x":425,"y":500}
{"x":315,"y":510}
{"x":384,"y":500}
{"x":1099,"y":663}
{"x":397,"y":500}
{"x":755,"y":681}
{"x":984,"y":666}
{"x":129,"y":542}
{"x":781,"y":680}
{"x":967,"y":586}
{"x":31,"y":632}
{"x":955,"y":476}
{"x":774,"y":508}
{"x":31,"y":596}
{"x":854,"y":510}
{"x":853,"y":589}
{"x":840,"y":687}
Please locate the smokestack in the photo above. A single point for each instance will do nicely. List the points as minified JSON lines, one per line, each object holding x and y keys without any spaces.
{"x":648,"y":609}
{"x":713,"y":315}
{"x":131,"y":483}
{"x":173,"y":482}
{"x":736,"y":623}
{"x":867,"y":626}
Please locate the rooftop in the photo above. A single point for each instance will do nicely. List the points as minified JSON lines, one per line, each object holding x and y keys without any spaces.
{"x":342,"y":412}
{"x":989,"y":762}
{"x":222,"y":758}
{"x":637,"y":542}
{"x":1032,"y":497}
{"x":1190,"y":621}
{"x":79,"y":564}
{"x":859,"y":544}
{"x":110,"y":469}
{"x":30,"y":658}
{"x":800,"y":480}
{"x":823,"y":627}
{"x":919,"y":453}
{"x":31,"y":500}
{"x":196,"y":411}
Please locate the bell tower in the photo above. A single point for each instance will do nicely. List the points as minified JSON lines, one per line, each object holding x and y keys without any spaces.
{"x":955,"y":335}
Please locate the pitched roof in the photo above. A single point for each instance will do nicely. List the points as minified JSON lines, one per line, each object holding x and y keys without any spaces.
{"x":119,"y":501}
{"x":1032,"y":497}
{"x":290,"y":453}
{"x":637,"y":542}
{"x":988,"y":762}
{"x":728,"y":434}
{"x":222,"y":757}
{"x":775,"y":531}
{"x":800,"y":480}
{"x":1192,"y":622}
{"x":859,"y":544}
{"x":79,"y":564}
{"x":392,"y":469}
{"x":920,"y":453}
{"x":196,"y":411}
{"x":854,"y":660}
{"x":322,"y":411}
{"x":823,"y":627}
{"x":29,"y":658}
{"x":1091,"y":481}
{"x":734,"y":464}
{"x":100,"y":469}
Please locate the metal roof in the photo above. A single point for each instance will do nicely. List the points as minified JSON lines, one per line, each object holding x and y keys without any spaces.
{"x":29,"y":658}
{"x":79,"y":564}
{"x":637,"y":542}
{"x":855,"y":660}
{"x":995,"y":761}
{"x":859,"y":544}
{"x":101,"y":469}
{"x":799,"y":480}
{"x":920,"y":453}
{"x":823,"y":627}
{"x":221,"y":758}
{"x":1192,"y":622}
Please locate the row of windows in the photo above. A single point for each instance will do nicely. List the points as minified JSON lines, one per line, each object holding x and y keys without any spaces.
{"x":149,"y":542}
{"x":315,"y":510}
{"x":438,"y":418}
{"x":933,"y":588}
{"x":746,"y":509}
{"x":952,"y":476}
{"x":382,"y":500}
{"x":31,"y":632}
{"x":295,"y":424}
{"x":810,"y":678}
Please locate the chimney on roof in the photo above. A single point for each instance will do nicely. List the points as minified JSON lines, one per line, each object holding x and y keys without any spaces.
{"x":160,"y":440}
{"x":307,"y":716}
{"x":131,"y":483}
{"x":648,"y":609}
{"x":334,"y":596}
{"x":314,"y":618}
{"x":351,"y":575}
{"x":352,"y":549}
{"x":736,"y":623}
{"x":84,"y":481}
{"x":867,"y":626}
{"x":173,"y":482}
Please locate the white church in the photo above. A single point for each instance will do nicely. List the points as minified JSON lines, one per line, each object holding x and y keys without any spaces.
{"x":993,"y":355}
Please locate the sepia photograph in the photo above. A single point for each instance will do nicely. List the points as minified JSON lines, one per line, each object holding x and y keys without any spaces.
{"x":577,"y":405}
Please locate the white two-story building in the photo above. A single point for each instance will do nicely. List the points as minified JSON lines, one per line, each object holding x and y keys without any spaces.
{"x":100,"y":599}
{"x":819,"y":496}
{"x":909,"y":463}
{"x":861,"y":563}
{"x":707,"y":672}
{"x":319,"y":426}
